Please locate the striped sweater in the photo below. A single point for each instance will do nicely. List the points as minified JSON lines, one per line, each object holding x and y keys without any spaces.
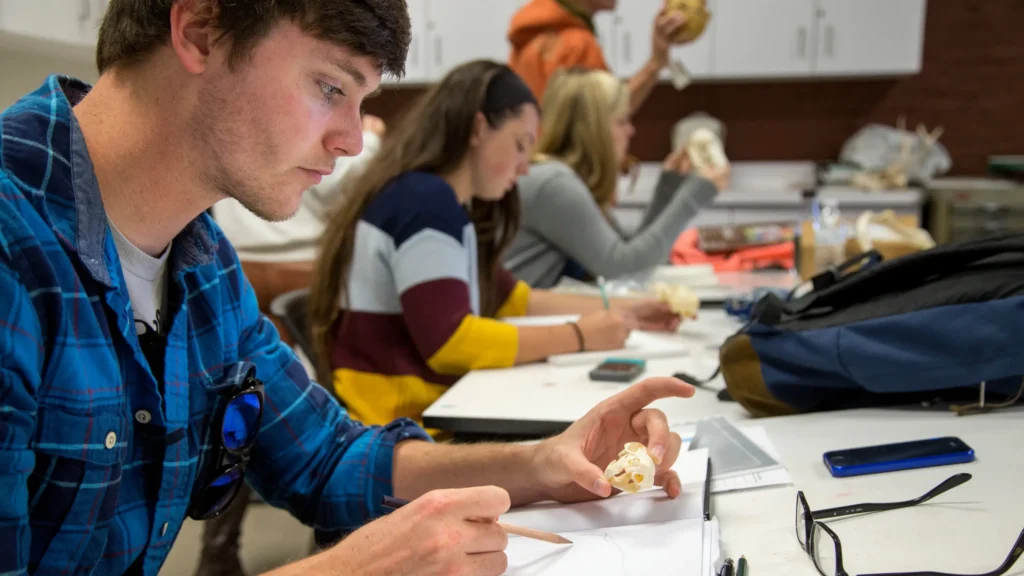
{"x":412,"y":323}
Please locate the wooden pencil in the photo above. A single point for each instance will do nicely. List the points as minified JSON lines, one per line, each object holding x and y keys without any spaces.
{"x":535,"y":534}
{"x":396,"y":503}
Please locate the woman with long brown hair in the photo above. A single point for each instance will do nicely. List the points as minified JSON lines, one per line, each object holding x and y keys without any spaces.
{"x":409,"y":282}
{"x":573,"y":178}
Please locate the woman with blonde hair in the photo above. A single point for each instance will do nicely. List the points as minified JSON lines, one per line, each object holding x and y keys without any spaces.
{"x":566,"y":227}
{"x":409,"y":288}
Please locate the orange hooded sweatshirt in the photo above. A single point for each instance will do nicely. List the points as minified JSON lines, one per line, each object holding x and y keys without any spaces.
{"x":546,"y":35}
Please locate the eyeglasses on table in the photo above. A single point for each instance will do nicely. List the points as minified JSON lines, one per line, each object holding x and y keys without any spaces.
{"x":822,"y":544}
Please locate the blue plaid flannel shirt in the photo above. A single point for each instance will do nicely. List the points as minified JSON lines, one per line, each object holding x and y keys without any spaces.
{"x":84,"y":488}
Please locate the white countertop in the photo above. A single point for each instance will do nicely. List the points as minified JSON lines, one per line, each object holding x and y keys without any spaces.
{"x":768,"y":184}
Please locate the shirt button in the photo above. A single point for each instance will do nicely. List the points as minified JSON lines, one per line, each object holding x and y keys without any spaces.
{"x":143,"y":417}
{"x":163,"y":529}
{"x":111,"y":440}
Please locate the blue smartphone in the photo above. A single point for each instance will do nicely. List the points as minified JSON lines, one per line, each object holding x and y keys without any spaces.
{"x":901,"y":456}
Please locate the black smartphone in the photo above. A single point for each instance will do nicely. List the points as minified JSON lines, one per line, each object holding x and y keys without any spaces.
{"x":899,"y":456}
{"x":618,"y":370}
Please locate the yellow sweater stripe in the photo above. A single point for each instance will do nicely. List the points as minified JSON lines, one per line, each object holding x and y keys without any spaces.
{"x":517,"y":301}
{"x":477,"y":343}
{"x":376,"y":400}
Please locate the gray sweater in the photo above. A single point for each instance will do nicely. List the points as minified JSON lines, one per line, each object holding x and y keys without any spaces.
{"x":561,"y":221}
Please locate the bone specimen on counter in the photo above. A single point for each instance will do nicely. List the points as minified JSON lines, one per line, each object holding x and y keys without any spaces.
{"x":633,"y":470}
{"x":912,"y":150}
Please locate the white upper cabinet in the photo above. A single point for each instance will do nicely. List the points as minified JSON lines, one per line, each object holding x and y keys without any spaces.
{"x":72,"y":22}
{"x":870,"y":37}
{"x":604,"y":26}
{"x":799,"y":38}
{"x":98,"y":8}
{"x":446,"y":33}
{"x":463,"y":30}
{"x":417,"y":62}
{"x":764,"y":38}
{"x":745,"y":39}
{"x":631,"y":30}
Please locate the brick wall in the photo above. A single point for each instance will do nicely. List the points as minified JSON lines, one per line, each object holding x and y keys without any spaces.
{"x":972,"y":83}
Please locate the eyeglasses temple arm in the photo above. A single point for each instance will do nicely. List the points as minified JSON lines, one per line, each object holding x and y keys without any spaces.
{"x":1011,"y":559}
{"x":950,"y":483}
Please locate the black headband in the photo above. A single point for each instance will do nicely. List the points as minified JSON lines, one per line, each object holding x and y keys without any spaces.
{"x":507,"y":91}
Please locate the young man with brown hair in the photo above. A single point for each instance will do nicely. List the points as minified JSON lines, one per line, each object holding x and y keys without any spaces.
{"x":138,"y":380}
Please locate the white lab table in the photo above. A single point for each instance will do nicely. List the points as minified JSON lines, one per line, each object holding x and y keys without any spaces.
{"x":541,"y":399}
{"x":967,"y":530}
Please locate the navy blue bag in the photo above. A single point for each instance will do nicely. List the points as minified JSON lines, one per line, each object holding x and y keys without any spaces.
{"x":931,"y":325}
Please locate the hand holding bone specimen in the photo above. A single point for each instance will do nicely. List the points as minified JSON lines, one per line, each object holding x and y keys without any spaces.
{"x":679,"y":298}
{"x":633,"y":471}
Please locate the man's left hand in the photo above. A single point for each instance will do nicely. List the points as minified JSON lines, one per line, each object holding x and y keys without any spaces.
{"x":570,"y":467}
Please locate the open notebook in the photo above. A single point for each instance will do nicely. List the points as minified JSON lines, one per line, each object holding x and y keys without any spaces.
{"x":647,"y":345}
{"x":625,"y":535}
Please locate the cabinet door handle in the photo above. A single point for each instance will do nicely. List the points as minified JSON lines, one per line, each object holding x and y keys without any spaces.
{"x":84,"y":11}
{"x":830,"y":41}
{"x":801,"y":42}
{"x":437,"y":51}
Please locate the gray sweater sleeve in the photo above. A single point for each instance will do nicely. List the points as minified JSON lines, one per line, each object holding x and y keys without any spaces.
{"x":664,"y":191}
{"x":566,"y":215}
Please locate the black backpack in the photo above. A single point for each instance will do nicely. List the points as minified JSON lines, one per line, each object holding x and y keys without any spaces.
{"x":934,"y":324}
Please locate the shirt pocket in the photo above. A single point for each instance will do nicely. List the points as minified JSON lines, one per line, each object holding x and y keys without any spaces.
{"x":207,"y":397}
{"x":74,"y":487}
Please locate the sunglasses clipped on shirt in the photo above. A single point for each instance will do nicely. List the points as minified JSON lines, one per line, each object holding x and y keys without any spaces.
{"x":822,"y":544}
{"x":238,"y":422}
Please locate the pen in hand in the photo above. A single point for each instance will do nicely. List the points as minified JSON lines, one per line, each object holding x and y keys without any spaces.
{"x":604,"y":292}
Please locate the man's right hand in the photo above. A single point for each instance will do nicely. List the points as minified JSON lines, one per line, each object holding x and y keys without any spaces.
{"x":442,"y":532}
{"x":606,"y":330}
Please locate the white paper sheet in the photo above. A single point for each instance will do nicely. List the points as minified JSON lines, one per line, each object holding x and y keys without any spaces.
{"x":645,"y":345}
{"x":712,"y":546}
{"x":774,"y":477}
{"x":553,"y":320}
{"x":649,"y":506}
{"x":661,"y":548}
{"x":626,"y":535}
{"x":759,"y":436}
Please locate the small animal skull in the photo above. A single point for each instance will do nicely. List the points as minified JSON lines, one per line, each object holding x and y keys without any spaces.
{"x":706,"y":150}
{"x":697,"y":17}
{"x":633,"y":471}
